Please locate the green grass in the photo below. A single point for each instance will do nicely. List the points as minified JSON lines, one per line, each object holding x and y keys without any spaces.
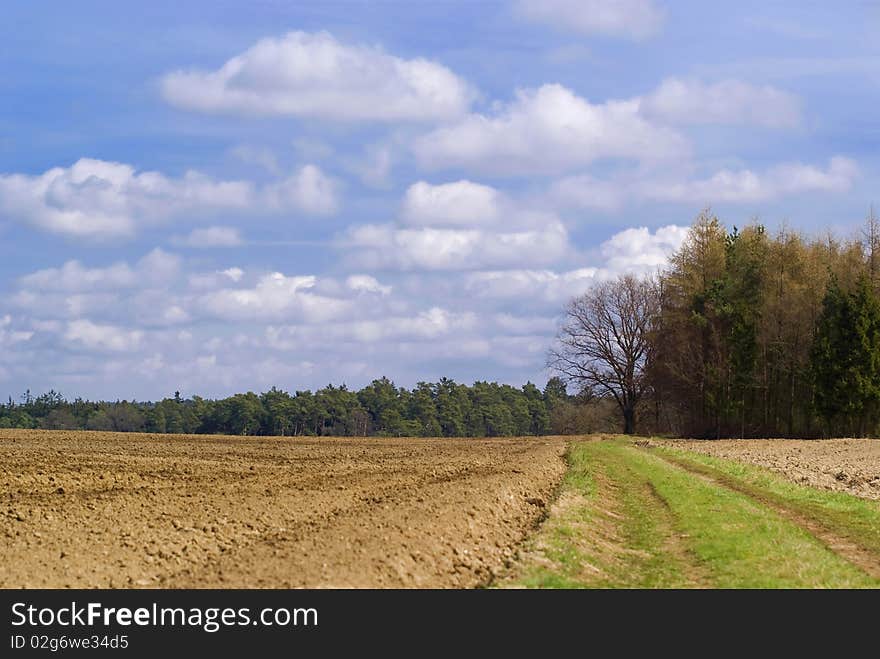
{"x":586,"y":543}
{"x":846,"y":515}
{"x":627,"y":518}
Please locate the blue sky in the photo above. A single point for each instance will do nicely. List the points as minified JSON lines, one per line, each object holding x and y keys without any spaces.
{"x":222,"y":196}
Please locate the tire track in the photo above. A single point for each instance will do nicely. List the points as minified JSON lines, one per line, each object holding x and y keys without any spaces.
{"x":856,"y":554}
{"x":618,"y":533}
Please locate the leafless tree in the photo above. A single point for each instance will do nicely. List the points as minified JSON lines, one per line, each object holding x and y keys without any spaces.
{"x":603,"y":343}
{"x":871,"y":233}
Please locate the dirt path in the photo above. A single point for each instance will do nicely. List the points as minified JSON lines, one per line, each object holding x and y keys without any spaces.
{"x":608,"y":528}
{"x":843,"y":465}
{"x":629,"y":516}
{"x":120,"y":510}
{"x":860,"y":556}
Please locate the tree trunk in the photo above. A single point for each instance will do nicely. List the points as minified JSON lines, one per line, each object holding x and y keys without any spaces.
{"x":629,"y":420}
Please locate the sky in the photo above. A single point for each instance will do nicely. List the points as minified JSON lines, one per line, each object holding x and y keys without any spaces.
{"x":215,"y":197}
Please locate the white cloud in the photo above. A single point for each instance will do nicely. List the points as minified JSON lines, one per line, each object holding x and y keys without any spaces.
{"x":209,"y":237}
{"x":314,"y":75}
{"x":367,"y":284}
{"x":639,"y":250}
{"x":67,"y":305}
{"x":428,"y":325}
{"x":725,"y":186}
{"x":636,"y":250}
{"x":523,"y":325}
{"x":102,"y":337}
{"x":73,"y":276}
{"x":9,"y":336}
{"x":747,"y":186}
{"x":173,"y":315}
{"x":235,"y":274}
{"x":387,"y":246}
{"x":631,"y":19}
{"x":539,"y":286}
{"x":460,"y":225}
{"x":309,"y":190}
{"x":96,"y":199}
{"x":275,"y":296}
{"x":157,"y":266}
{"x":461,"y":203}
{"x":548,"y":130}
{"x":726,"y":102}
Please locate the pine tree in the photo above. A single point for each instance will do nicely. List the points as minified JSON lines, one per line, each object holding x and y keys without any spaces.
{"x":866,"y":354}
{"x":832,"y":360}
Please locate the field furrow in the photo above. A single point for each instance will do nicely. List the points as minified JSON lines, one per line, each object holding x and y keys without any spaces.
{"x":125,"y":510}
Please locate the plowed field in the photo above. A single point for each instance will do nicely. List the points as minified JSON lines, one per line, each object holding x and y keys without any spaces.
{"x":84,"y":509}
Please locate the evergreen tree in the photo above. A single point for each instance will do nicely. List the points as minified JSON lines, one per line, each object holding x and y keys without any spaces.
{"x":835,"y":372}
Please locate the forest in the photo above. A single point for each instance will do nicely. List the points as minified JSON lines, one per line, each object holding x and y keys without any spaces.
{"x":743,"y":334}
{"x":441,"y":409}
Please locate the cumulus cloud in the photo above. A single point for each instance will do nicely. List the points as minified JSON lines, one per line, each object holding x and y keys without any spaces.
{"x":220,"y":329}
{"x":97,"y":199}
{"x":158,"y":267}
{"x":387,"y":246}
{"x":367,"y":284}
{"x":539,"y":286}
{"x":634,"y":250}
{"x":547,"y":130}
{"x":209,"y":237}
{"x":460,"y":225}
{"x":462,"y":203}
{"x":73,"y":276}
{"x":315,"y":75}
{"x":746,"y":185}
{"x":725,"y":186}
{"x":630,"y":19}
{"x":309,"y":190}
{"x":427,"y":325}
{"x":9,"y":336}
{"x":235,"y":274}
{"x":732,"y":102}
{"x":275,"y":296}
{"x":102,"y":337}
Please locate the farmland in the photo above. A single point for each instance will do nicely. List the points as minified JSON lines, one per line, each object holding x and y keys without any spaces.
{"x":96,"y":509}
{"x":89,"y":509}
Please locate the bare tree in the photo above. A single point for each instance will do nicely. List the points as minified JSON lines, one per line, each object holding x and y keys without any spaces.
{"x":871,"y":233}
{"x":603,"y":343}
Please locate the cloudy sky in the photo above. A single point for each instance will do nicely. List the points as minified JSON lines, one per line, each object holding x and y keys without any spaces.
{"x":222,"y":196}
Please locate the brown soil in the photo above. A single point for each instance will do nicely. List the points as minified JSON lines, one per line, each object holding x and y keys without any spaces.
{"x":846,"y":465}
{"x":86,"y":509}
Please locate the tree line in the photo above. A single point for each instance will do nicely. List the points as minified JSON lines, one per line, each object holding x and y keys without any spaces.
{"x":743,"y":334}
{"x":441,"y":409}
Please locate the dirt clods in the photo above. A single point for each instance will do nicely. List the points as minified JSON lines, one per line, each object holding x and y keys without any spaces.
{"x":141,"y":511}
